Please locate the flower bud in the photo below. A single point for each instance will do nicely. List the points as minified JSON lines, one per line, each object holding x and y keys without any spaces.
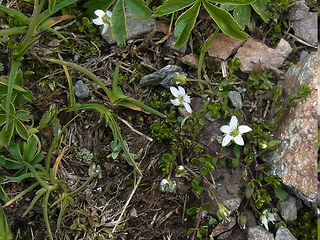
{"x":242,"y":220}
{"x":180,"y":78}
{"x":222,"y":212}
{"x":180,"y":171}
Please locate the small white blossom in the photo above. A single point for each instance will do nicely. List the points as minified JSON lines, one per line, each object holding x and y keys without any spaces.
{"x":104,"y":18}
{"x":264,"y":146}
{"x":266,"y":217}
{"x":234,"y":132}
{"x":182,"y":99}
{"x":167,"y":185}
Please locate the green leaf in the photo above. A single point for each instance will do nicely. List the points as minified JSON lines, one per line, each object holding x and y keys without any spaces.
{"x":190,"y":231}
{"x":261,"y":7}
{"x":192,"y":210}
{"x":237,"y":150}
{"x":119,"y":23}
{"x":21,"y":129}
{"x":13,"y":31}
{"x":235,"y":162}
{"x":242,"y":14}
{"x":171,"y":6}
{"x":236,"y":2}
{"x":4,"y":228}
{"x":51,"y":4}
{"x":206,"y":206}
{"x":6,"y":134}
{"x":49,"y":117}
{"x":21,"y":177}
{"x":16,"y":14}
{"x":15,"y":152}
{"x":3,"y":196}
{"x":280,"y":193}
{"x":23,"y":115}
{"x":139,"y":9}
{"x":225,"y":21}
{"x":185,"y":23}
{"x":30,"y":149}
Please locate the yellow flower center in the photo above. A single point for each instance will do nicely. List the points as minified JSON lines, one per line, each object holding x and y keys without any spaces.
{"x":234,"y":132}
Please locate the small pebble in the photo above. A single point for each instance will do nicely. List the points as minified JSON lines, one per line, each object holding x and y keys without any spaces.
{"x":81,"y":90}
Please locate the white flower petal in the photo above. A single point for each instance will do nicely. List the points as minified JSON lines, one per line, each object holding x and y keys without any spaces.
{"x":174,"y":91}
{"x":227,"y":138}
{"x":264,"y":221}
{"x":105,"y":29}
{"x":186,"y":99}
{"x":181,"y":90}
{"x":99,"y":13}
{"x":98,"y":21}
{"x":239,"y":140}
{"x":187,"y":107}
{"x":244,"y":129}
{"x":109,"y":14}
{"x":234,"y":122}
{"x":225,"y":129}
{"x":175,"y":102}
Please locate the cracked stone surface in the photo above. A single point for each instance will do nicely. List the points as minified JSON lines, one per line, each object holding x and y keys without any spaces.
{"x":295,"y":161}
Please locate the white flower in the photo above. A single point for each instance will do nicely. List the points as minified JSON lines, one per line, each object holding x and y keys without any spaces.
{"x":264,"y":146}
{"x":234,"y":132}
{"x":267,"y":217}
{"x":182,"y":99}
{"x":167,"y":185}
{"x":104,"y":18}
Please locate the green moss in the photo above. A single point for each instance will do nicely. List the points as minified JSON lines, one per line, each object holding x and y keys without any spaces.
{"x":305,"y":226}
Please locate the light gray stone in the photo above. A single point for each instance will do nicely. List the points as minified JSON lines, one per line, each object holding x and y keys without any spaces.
{"x":288,"y":208}
{"x":257,"y":57}
{"x":304,"y":23}
{"x":284,"y":48}
{"x":295,"y":161}
{"x":171,"y":45}
{"x":81,"y":90}
{"x":236,"y":99}
{"x":259,"y":233}
{"x":135,"y":27}
{"x":284,"y":234}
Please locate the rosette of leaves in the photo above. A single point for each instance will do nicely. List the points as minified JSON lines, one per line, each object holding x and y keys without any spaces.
{"x":186,"y":20}
{"x":23,"y":156}
{"x":138,"y":8}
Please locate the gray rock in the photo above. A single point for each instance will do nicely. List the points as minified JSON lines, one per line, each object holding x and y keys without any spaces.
{"x":81,"y":90}
{"x":163,"y":76}
{"x":135,"y":27}
{"x":259,"y":233}
{"x":223,"y":46}
{"x":298,"y":11}
{"x":306,"y":28}
{"x":288,"y":208}
{"x":303,"y":55}
{"x":284,"y":48}
{"x":295,"y":160}
{"x":257,"y":57}
{"x":251,"y":220}
{"x":171,"y":45}
{"x":284,"y":234}
{"x":304,"y":23}
{"x":236,"y":99}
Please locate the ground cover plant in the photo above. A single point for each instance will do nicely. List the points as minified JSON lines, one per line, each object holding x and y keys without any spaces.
{"x":130,"y":162}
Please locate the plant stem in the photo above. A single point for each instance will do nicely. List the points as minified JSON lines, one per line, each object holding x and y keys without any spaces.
{"x":21,"y":194}
{"x":198,"y":221}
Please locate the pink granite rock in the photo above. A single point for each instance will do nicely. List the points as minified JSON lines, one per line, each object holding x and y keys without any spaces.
{"x":223,"y":46}
{"x":295,"y":161}
{"x":257,"y":57}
